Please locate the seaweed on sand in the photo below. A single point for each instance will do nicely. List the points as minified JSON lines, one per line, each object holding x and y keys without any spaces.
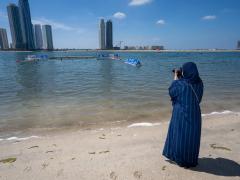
{"x":8,"y":160}
{"x":214,"y":146}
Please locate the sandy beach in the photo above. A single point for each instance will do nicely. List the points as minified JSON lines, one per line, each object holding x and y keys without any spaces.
{"x":126,"y":152}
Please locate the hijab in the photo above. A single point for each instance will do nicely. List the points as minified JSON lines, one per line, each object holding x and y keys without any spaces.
{"x":190,"y":73}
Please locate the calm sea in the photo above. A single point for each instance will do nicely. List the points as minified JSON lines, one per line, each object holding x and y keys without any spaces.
{"x":67,"y":93}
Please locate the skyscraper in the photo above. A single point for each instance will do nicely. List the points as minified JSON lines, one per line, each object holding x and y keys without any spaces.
{"x":47,"y":37}
{"x":238,"y":45}
{"x":26,"y":23}
{"x":102,"y":35}
{"x":38,"y":38}
{"x":109,"y":35}
{"x":3,"y":39}
{"x":15,"y":26}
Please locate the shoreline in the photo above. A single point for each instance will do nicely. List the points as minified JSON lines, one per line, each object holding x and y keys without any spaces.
{"x":123,"y":153}
{"x":18,"y":134}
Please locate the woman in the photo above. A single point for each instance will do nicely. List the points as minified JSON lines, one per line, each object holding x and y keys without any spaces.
{"x":184,"y":133}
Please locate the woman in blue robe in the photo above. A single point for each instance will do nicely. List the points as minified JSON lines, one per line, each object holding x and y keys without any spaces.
{"x":184,"y":133}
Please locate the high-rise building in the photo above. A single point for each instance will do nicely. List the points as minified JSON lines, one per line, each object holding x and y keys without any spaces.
{"x":47,"y":37}
{"x":109,"y":35}
{"x":238,"y":45}
{"x":38,"y":38}
{"x":102,"y":35}
{"x":15,"y":26}
{"x":3,"y":39}
{"x":26,"y":24}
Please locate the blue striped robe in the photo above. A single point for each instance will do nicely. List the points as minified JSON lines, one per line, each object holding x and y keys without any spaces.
{"x":184,"y":133}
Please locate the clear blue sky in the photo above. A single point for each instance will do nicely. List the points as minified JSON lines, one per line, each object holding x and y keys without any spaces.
{"x":175,"y":24}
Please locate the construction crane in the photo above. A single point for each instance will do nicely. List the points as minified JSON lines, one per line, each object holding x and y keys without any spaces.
{"x":119,"y":44}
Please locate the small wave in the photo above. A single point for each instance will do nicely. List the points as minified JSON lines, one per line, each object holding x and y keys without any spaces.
{"x":19,"y":139}
{"x":144,"y":125}
{"x":219,"y":113}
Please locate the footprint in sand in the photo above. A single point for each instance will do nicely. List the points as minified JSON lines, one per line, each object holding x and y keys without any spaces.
{"x":44,"y":165}
{"x":27,"y":169}
{"x":60,"y":172}
{"x":137,"y":174}
{"x":113,"y":175}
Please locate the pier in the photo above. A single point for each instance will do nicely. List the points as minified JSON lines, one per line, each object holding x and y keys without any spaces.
{"x":71,"y":57}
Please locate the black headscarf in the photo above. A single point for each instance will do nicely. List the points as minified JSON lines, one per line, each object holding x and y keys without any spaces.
{"x":190,"y":73}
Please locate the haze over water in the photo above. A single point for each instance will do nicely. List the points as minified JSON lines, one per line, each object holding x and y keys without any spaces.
{"x":81,"y":92}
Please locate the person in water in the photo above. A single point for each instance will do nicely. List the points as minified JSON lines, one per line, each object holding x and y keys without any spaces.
{"x":183,"y":139}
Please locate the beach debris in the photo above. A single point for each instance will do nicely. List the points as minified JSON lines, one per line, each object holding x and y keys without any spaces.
{"x":73,"y":158}
{"x":164,"y":168}
{"x":104,"y":152}
{"x":49,"y":151}
{"x":232,"y":129}
{"x":33,"y":147}
{"x":54,"y":145}
{"x":101,"y":137}
{"x":113,"y":175}
{"x":8,"y":160}
{"x":214,"y":146}
{"x":144,"y":125}
{"x":119,"y":135}
{"x":137,"y":174}
{"x":91,"y":152}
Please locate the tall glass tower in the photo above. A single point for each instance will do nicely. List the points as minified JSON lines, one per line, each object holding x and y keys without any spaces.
{"x":38,"y":38}
{"x":3,"y":39}
{"x":102,"y":35}
{"x":238,"y":45}
{"x":26,"y":22}
{"x":109,"y":35}
{"x":47,"y":37}
{"x":15,"y":26}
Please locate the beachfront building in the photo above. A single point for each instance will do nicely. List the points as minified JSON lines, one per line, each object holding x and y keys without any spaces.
{"x":38,"y":38}
{"x":3,"y":39}
{"x":47,"y":37}
{"x":157,"y":48}
{"x":238,"y":45}
{"x":15,"y":26}
{"x":102,"y":35}
{"x":109,"y":34}
{"x":26,"y":24}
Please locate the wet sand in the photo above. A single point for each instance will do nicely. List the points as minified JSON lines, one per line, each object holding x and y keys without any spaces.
{"x":124,"y":153}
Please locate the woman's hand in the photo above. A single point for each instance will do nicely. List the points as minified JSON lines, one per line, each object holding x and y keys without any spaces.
{"x":176,"y":76}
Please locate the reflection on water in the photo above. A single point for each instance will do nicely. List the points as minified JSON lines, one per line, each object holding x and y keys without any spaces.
{"x":76,"y":92}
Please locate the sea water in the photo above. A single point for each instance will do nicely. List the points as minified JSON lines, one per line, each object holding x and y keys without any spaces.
{"x":55,"y":94}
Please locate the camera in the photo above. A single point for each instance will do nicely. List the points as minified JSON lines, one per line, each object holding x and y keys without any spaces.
{"x":179,"y":72}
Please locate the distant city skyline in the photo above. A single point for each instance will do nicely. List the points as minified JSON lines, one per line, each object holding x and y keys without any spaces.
{"x":174,"y":24}
{"x":24,"y":34}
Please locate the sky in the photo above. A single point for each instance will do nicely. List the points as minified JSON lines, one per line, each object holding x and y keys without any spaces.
{"x":188,"y":24}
